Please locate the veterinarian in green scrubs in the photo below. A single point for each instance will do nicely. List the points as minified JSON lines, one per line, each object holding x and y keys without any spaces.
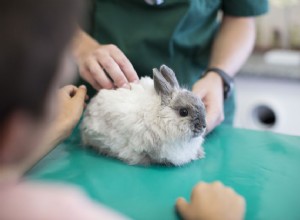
{"x":205,"y":48}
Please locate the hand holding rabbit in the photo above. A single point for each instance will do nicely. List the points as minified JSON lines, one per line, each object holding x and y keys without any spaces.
{"x":210,"y":90}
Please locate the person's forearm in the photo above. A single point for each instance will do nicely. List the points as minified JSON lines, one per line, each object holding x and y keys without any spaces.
{"x":52,"y":138}
{"x":16,"y":171}
{"x":233,"y":44}
{"x":82,"y":42}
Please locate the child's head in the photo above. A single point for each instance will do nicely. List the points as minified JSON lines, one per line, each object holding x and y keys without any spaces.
{"x":34,"y":35}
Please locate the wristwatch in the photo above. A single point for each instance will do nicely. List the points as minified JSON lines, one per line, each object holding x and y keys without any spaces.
{"x":228,"y":81}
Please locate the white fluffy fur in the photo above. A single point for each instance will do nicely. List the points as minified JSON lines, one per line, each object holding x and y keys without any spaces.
{"x":133,"y":126}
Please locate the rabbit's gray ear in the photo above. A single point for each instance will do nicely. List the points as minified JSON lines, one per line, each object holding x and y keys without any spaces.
{"x":170,"y":76}
{"x":162,"y":87}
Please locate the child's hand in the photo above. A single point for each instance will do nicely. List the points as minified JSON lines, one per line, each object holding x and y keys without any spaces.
{"x":212,"y":202}
{"x":72,"y":102}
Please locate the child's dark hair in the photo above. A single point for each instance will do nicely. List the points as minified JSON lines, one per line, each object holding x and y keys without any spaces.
{"x":33,"y":36}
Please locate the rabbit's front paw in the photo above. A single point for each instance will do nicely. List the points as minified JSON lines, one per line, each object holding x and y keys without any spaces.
{"x":145,"y":161}
{"x":200,"y":153}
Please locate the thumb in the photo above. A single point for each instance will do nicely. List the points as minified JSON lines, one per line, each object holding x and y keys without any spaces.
{"x":200,"y":89}
{"x":80,"y":94}
{"x":212,"y":115}
{"x":200,"y":92}
{"x":183,"y":208}
{"x":211,"y":121}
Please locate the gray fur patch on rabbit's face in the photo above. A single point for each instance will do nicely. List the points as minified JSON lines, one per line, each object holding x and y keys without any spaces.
{"x":185,"y":99}
{"x":182,"y":112}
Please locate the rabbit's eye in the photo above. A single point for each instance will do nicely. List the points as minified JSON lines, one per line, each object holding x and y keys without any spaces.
{"x":183,"y":112}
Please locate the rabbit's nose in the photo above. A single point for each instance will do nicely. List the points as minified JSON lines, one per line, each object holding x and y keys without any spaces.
{"x":199,"y":126}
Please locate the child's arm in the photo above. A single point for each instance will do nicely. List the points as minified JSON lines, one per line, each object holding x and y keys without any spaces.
{"x":71,"y":105}
{"x":36,"y":201}
{"x":212,"y":202}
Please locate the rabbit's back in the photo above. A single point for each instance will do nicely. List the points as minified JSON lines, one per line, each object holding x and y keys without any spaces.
{"x":140,"y":126}
{"x":115,"y":120}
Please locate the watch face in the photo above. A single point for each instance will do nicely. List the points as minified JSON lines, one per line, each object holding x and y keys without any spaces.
{"x":154,"y":2}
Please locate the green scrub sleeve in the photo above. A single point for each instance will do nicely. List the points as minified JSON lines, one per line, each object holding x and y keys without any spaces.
{"x":245,"y":8}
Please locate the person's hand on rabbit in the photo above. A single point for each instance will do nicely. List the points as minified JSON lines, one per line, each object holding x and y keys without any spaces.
{"x":210,"y":90}
{"x":95,"y":61}
{"x":212,"y":201}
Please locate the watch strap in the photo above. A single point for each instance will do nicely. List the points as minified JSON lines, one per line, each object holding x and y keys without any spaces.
{"x":227,"y":80}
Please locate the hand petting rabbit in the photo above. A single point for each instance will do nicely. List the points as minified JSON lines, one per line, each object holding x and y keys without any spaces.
{"x":154,"y":122}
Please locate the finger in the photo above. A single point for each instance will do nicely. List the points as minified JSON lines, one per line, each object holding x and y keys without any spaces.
{"x":125,"y":65}
{"x":88,"y":77}
{"x":199,"y":90}
{"x":183,"y":208}
{"x":98,"y":74}
{"x":197,"y":190}
{"x":228,"y":191}
{"x":69,"y":90}
{"x":78,"y":102}
{"x":210,"y":121}
{"x":114,"y":71}
{"x":218,"y":184}
{"x":201,"y":93}
{"x":241,"y":201}
{"x":80,"y":94}
{"x":209,"y":117}
{"x":213,"y":119}
{"x":200,"y":186}
{"x":212,"y":115}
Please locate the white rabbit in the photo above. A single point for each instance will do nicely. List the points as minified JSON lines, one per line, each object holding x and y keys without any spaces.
{"x":154,"y":122}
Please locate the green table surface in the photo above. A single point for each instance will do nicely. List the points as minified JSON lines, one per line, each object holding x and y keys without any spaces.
{"x":262,"y":166}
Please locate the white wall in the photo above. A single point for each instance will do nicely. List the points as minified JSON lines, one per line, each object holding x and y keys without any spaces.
{"x":282,"y":96}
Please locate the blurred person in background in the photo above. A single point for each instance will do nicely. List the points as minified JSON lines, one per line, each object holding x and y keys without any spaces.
{"x":34,"y":61}
{"x":127,"y":39}
{"x":35,"y":116}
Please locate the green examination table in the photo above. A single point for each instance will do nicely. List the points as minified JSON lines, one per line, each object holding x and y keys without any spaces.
{"x":262,"y":166}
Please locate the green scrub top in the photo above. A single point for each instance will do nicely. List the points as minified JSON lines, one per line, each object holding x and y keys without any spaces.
{"x":178,"y":33}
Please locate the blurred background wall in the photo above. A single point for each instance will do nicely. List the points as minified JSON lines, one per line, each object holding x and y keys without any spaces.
{"x":268,"y":86}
